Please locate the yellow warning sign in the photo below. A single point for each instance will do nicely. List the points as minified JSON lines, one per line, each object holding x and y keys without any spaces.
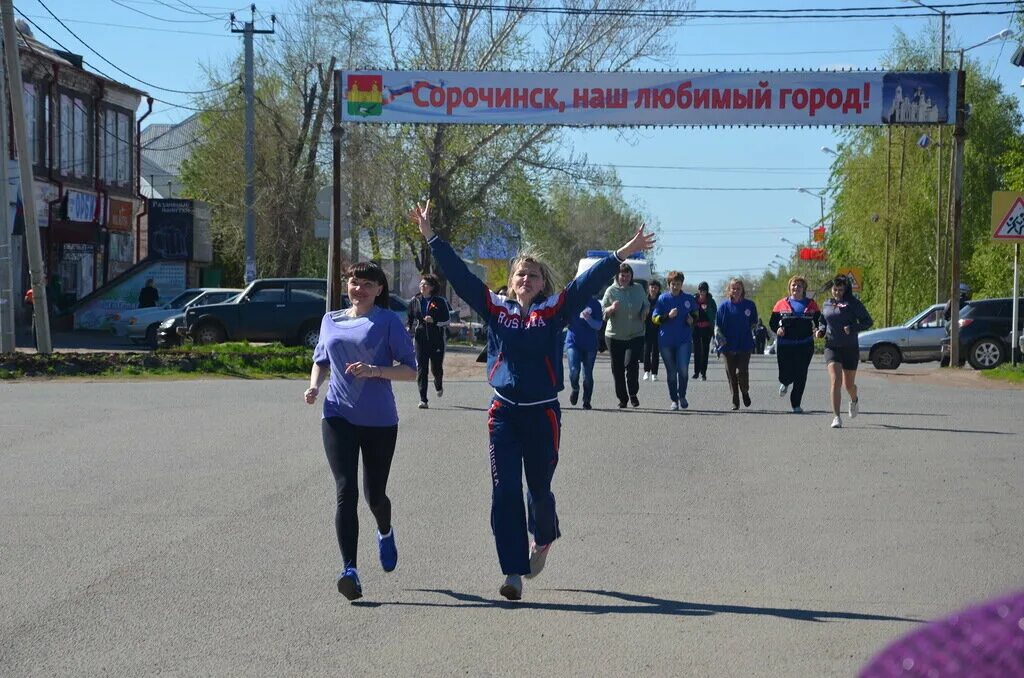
{"x":856,"y":276}
{"x":1008,"y":215}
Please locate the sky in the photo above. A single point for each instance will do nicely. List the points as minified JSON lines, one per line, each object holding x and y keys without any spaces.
{"x":666,"y":172}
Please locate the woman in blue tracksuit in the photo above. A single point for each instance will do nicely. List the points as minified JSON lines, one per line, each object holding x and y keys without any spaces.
{"x":524,"y":357}
{"x":581,"y":349}
{"x":673,"y":314}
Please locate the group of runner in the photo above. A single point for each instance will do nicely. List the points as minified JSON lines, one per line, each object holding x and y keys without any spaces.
{"x":364,"y":348}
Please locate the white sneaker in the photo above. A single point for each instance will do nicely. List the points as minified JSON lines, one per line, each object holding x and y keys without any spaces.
{"x":674,"y":406}
{"x":654,"y":377}
{"x":837,"y":423}
{"x":647,"y":375}
{"x":783,"y":389}
{"x":512,"y":588}
{"x":538,"y":556}
{"x":854,"y":408}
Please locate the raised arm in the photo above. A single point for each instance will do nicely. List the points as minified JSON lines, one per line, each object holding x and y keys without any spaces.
{"x":590,"y":281}
{"x":468,"y":286}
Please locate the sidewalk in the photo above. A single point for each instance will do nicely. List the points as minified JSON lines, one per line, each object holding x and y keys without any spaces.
{"x":82,"y":341}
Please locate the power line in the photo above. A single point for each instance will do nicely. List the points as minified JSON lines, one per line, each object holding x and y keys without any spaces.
{"x":160,"y":18}
{"x":110,"y":77}
{"x":118,"y":68}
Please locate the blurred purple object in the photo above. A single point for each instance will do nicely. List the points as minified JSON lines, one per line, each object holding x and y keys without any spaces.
{"x":981,"y":642}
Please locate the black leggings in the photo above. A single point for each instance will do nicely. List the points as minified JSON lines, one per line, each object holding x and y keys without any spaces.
{"x":626,"y":355}
{"x":342,"y":443}
{"x":430,"y":356}
{"x":701,"y":350}
{"x":651,"y":353}
{"x":794,"y":359}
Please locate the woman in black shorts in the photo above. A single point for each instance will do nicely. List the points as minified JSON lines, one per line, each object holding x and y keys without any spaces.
{"x":843,"y":317}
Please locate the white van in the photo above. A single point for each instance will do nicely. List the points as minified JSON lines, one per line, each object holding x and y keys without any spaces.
{"x":641,"y":267}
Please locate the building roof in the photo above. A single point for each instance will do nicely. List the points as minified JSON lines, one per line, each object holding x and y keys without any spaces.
{"x":165,"y":146}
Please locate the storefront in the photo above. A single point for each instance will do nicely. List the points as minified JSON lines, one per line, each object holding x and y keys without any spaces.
{"x":120,"y":241}
{"x":75,"y":250}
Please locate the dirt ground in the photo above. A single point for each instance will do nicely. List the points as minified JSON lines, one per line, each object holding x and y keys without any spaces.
{"x":931,"y":373}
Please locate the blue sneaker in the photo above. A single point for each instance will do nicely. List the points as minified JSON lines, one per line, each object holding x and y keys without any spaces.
{"x":388,"y":550}
{"x":683,"y":404}
{"x":348,"y":584}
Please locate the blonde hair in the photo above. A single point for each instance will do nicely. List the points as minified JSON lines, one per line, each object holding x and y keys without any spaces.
{"x":797,"y":279}
{"x":735,"y":281}
{"x":546,"y":274}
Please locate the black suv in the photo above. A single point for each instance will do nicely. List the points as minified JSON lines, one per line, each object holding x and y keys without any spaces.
{"x":985,"y":332}
{"x":288,"y":310}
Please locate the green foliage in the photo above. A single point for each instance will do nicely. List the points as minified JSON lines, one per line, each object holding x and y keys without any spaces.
{"x":1006,"y":372}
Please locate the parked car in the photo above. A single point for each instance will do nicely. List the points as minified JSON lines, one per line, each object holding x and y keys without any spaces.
{"x":918,"y":340}
{"x":142,"y":325}
{"x":168,"y":336}
{"x":985,"y":326}
{"x":288,"y":310}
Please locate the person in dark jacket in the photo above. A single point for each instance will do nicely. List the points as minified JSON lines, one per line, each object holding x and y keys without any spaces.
{"x":148,"y":295}
{"x":524,"y":419}
{"x":843,"y":318}
{"x":965,"y":296}
{"x":703,"y":330}
{"x":794,"y":320}
{"x":651,"y":346}
{"x":760,"y":337}
{"x":429,"y":316}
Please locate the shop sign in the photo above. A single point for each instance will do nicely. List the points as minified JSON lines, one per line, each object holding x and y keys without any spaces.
{"x":120,"y":217}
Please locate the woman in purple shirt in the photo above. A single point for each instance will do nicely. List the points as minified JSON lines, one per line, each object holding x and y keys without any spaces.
{"x":358,"y":349}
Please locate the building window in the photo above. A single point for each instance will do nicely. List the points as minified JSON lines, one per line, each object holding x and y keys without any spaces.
{"x":75,"y":157}
{"x":117,"y":146}
{"x":30,"y":101}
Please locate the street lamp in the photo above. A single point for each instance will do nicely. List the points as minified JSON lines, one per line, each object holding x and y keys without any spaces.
{"x":826,"y":149}
{"x":821,"y":199}
{"x":810,"y":229}
{"x":789,"y":241}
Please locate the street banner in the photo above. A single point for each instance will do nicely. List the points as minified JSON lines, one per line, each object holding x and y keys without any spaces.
{"x":782,"y":98}
{"x":1008,"y":216}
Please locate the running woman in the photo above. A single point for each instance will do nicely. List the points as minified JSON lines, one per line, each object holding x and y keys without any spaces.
{"x":428,"y":317}
{"x":625,"y":307}
{"x":734,"y":323}
{"x":843,"y":318}
{"x":794,"y":320}
{"x":524,"y":420}
{"x":673,"y":314}
{"x":703,"y":330}
{"x":581,"y":349}
{"x":358,"y":349}
{"x":651,"y":345}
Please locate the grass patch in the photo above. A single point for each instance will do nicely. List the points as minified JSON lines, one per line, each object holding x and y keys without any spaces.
{"x":240,"y":359}
{"x":1006,"y":372}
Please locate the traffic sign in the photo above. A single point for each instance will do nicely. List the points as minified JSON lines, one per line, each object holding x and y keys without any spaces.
{"x":856,"y":276}
{"x":1008,"y":216}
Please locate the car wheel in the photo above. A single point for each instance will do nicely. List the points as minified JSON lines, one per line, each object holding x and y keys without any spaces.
{"x":210,"y":334}
{"x":151,"y":335}
{"x":886,"y":358}
{"x":986,"y":353}
{"x":310,"y":335}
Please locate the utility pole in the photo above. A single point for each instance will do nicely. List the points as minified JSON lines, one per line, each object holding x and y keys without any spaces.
{"x":334,"y":241}
{"x":7,"y":296}
{"x":33,"y":245}
{"x":938,"y":172}
{"x":248,"y":30}
{"x":959,"y":136}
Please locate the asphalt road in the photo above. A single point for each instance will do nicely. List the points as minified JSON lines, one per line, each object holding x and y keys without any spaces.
{"x":185,"y":528}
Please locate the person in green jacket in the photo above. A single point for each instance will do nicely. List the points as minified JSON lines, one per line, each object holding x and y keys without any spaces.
{"x":625,"y":307}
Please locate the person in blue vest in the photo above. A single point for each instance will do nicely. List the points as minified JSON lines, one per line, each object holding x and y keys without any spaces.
{"x":581,"y":349}
{"x":794,"y":320}
{"x":524,"y":418}
{"x":429,"y":315}
{"x":673,"y":314}
{"x":734,"y":323}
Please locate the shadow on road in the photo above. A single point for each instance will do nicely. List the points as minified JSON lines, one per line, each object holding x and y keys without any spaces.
{"x":943,"y":430}
{"x":639,"y":604}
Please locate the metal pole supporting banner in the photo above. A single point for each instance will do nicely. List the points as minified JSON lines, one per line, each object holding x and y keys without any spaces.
{"x":334,"y":240}
{"x":959,"y":136}
{"x":7,"y":294}
{"x":33,"y":245}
